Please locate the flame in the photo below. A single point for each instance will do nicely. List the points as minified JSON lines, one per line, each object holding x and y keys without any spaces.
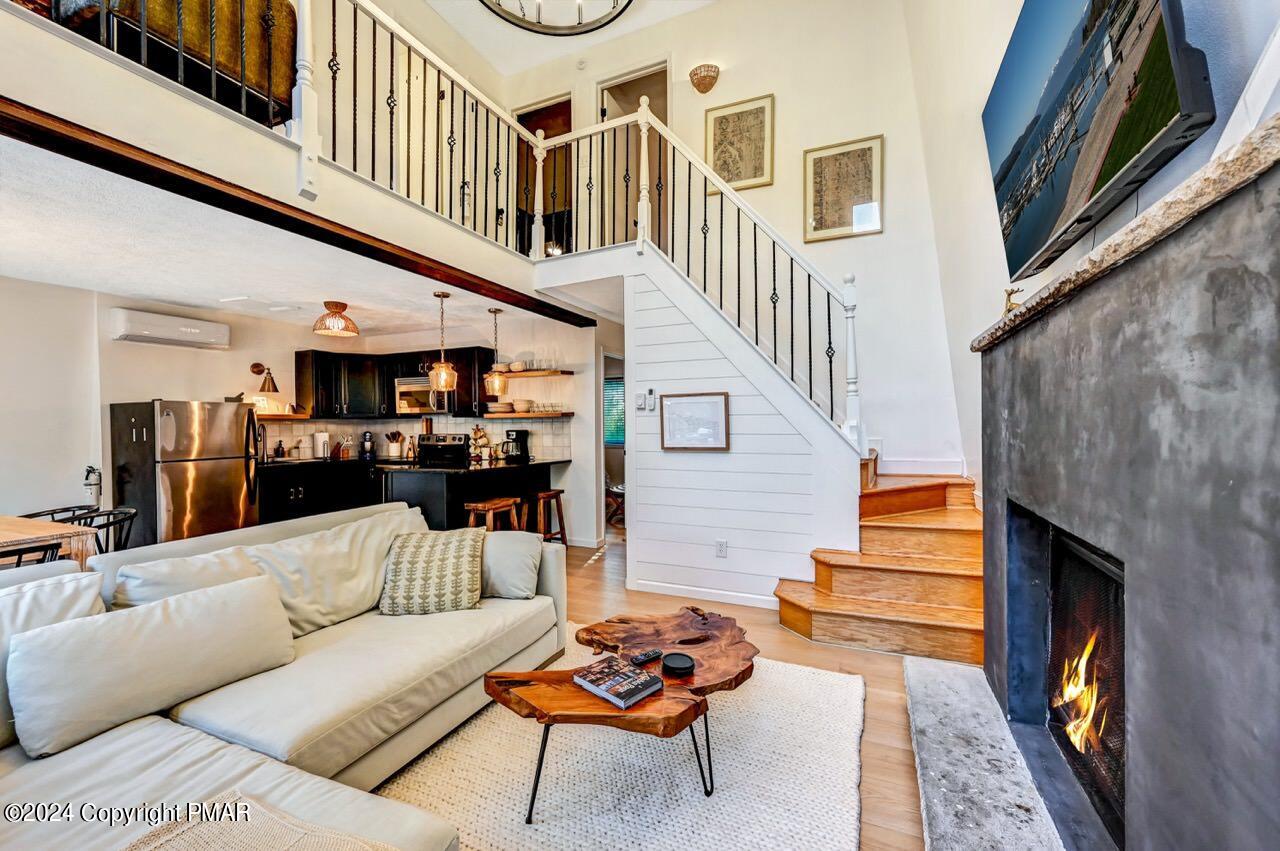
{"x":1080,"y":697}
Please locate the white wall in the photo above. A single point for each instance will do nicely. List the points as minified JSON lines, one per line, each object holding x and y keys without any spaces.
{"x":955,"y":51}
{"x":840,"y":71}
{"x":787,"y":485}
{"x":48,"y":423}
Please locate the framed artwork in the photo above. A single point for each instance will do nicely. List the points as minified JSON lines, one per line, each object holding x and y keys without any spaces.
{"x":739,"y":142}
{"x":844,"y":189}
{"x":694,"y":422}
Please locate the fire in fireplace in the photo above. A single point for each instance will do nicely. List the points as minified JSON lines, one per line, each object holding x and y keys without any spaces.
{"x":1085,"y":673}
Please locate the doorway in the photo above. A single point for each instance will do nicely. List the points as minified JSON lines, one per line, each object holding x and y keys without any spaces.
{"x":618,"y":97}
{"x":615,"y":441}
{"x":553,"y":118}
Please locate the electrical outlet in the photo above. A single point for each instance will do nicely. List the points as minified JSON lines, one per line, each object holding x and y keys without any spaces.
{"x":722,"y":548}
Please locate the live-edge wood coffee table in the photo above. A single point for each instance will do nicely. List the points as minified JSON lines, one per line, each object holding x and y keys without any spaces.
{"x":722,"y":661}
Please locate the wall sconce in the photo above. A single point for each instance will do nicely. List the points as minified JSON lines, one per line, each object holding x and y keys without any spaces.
{"x":268,"y":382}
{"x":704,"y":77}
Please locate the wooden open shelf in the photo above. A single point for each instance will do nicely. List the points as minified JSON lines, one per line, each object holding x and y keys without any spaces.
{"x":281,"y":418}
{"x":537,"y":373}
{"x":541,"y":415}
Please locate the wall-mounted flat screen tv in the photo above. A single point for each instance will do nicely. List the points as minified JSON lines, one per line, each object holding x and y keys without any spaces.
{"x":1092,"y":98}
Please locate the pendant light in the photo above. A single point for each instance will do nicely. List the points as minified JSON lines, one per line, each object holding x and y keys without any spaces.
{"x":495,"y":383}
{"x":443,"y":376}
{"x":334,"y":322}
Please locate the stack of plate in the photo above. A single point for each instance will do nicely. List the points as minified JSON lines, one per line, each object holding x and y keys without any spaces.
{"x":501,"y":407}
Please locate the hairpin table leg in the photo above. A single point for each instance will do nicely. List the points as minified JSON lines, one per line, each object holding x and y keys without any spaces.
{"x":709,"y":778}
{"x":537,"y":774}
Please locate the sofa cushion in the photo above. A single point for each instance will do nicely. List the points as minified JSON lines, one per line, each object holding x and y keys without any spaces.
{"x":39,"y":603}
{"x":510,"y":566}
{"x":154,"y":761}
{"x":430,"y":572}
{"x":70,"y":681}
{"x":11,"y":576}
{"x":138,"y":584}
{"x":355,"y":684}
{"x":327,"y":577}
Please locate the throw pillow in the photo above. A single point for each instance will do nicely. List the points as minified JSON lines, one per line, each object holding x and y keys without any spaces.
{"x":429,"y":572}
{"x":510,"y":566}
{"x":138,"y":584}
{"x":35,"y":604}
{"x":70,"y":681}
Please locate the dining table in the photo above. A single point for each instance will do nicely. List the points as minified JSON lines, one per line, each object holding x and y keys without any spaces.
{"x":78,"y":542}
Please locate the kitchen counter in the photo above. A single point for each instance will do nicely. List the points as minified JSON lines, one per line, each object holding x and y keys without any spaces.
{"x":442,"y":492}
{"x":474,"y":467}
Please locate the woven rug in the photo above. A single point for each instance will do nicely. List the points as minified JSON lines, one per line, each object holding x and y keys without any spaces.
{"x":785,"y":747}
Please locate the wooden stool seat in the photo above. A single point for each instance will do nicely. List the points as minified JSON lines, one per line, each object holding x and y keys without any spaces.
{"x":545,"y":500}
{"x":491,"y":509}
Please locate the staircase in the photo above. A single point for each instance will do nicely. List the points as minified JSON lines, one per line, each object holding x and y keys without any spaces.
{"x":916,"y":585}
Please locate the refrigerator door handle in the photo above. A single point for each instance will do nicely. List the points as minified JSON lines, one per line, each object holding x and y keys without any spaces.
{"x":252,"y":448}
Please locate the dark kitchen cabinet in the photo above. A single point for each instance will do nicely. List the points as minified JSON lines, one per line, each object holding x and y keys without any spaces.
{"x":337,"y":385}
{"x":361,"y":390}
{"x":300,"y":489}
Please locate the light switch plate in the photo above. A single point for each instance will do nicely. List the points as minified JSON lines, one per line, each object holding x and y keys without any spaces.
{"x":722,"y":548}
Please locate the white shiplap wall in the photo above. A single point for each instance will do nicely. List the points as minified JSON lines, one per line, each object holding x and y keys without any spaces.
{"x":787,"y":485}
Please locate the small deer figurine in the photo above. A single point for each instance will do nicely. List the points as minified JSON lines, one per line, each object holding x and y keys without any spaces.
{"x":1009,"y":304}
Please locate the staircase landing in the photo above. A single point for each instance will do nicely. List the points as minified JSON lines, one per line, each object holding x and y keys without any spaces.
{"x":916,"y":585}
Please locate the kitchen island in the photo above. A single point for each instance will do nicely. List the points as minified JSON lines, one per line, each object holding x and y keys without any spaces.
{"x":441,"y":492}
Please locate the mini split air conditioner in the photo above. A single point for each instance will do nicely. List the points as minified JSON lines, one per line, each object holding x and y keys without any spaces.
{"x":139,"y":327}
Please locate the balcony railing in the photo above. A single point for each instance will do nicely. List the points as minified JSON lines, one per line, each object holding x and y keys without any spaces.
{"x":391,"y":112}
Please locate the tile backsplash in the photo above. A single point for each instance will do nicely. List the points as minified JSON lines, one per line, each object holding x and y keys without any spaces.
{"x":547,"y":438}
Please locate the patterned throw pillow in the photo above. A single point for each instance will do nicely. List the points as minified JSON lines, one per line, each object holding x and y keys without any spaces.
{"x":429,"y":572}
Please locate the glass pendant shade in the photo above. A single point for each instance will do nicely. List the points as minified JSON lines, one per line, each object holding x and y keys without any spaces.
{"x":335,"y":322}
{"x":443,"y":377}
{"x":495,"y":383}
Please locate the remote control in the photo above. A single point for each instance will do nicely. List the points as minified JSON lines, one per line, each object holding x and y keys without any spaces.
{"x":646,"y":657}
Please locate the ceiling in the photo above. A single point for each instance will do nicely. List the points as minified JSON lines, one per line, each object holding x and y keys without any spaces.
{"x":67,"y":223}
{"x":510,"y":49}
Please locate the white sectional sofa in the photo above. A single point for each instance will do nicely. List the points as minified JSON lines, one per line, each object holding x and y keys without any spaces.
{"x":362,"y":696}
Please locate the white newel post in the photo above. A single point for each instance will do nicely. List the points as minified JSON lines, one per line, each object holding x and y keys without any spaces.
{"x":537,"y":246}
{"x":304,"y":127}
{"x":853,"y":403}
{"x":642,"y":205}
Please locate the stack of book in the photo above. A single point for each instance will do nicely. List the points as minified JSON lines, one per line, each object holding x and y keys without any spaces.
{"x":621,"y":683}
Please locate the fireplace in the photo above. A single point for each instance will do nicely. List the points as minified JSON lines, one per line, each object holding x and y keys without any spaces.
{"x":1084,"y":676}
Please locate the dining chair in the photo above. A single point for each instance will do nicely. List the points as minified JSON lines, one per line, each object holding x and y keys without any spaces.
{"x":66,"y":514}
{"x":111,"y":526}
{"x":29,"y":554}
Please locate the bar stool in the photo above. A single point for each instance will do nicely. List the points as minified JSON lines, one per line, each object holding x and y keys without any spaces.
{"x":491,"y":507}
{"x":545,"y":498}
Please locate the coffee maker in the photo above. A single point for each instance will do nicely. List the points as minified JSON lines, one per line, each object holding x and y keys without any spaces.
{"x":368,"y":448}
{"x":516,"y":446}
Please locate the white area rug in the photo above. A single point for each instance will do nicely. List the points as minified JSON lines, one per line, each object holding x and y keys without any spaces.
{"x":975,"y":789}
{"x":785,"y":746}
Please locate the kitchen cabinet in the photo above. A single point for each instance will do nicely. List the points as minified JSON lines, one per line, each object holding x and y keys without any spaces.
{"x":287,"y":490}
{"x":340,"y":385}
{"x":361,"y":390}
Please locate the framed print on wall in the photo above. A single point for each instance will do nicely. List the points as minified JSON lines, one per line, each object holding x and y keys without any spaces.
{"x":844,"y":189}
{"x":694,"y":422}
{"x":739,"y":142}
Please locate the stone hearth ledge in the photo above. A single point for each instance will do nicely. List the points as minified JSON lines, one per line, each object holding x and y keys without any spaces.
{"x":1217,"y":180}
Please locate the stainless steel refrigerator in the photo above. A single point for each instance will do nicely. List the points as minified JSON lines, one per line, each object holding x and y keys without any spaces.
{"x":190,"y":468}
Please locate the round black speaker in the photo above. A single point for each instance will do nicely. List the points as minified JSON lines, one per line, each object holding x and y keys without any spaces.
{"x":677,"y":664}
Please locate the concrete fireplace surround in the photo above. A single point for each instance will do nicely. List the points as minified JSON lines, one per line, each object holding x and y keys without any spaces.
{"x":1135,"y":403}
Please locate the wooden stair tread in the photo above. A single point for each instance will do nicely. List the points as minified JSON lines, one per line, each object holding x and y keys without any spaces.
{"x":805,"y":595}
{"x":901,"y":563}
{"x":887,"y":482}
{"x":962,"y":519}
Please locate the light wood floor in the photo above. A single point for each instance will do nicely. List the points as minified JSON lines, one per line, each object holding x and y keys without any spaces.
{"x":890,"y":796}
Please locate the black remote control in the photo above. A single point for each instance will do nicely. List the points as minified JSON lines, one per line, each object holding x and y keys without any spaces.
{"x":645,"y":657}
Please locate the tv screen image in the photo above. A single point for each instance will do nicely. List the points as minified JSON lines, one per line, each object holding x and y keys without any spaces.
{"x":1092,"y":98}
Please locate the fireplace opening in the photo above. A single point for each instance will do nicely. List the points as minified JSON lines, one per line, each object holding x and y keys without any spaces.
{"x":1085,"y":672}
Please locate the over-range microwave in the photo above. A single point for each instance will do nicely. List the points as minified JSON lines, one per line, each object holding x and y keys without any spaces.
{"x":415,"y":396}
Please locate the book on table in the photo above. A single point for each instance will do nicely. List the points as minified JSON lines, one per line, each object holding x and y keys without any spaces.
{"x":617,"y":681}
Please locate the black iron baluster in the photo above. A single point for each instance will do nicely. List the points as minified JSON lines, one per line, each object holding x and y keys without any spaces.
{"x":407,"y":177}
{"x":439,"y":100}
{"x":577,"y":212}
{"x":269,"y":23}
{"x":497,"y":180}
{"x":808,"y":312}
{"x":705,"y":230}
{"x":675,"y":195}
{"x":142,"y":27}
{"x":244,"y":88}
{"x":334,"y":65}
{"x":755,"y":282}
{"x":688,"y":216}
{"x":475,"y":163}
{"x":213,"y":51}
{"x":529,"y":166}
{"x":791,"y":322}
{"x":506,"y":188}
{"x":591,"y":185}
{"x":626,"y":187}
{"x":662,"y":144}
{"x":737,"y":263}
{"x":487,"y":141}
{"x":555,"y":192}
{"x":773,"y":297}
{"x":720,"y":246}
{"x":589,"y":177}
{"x":462,"y":187}
{"x":831,"y":362}
{"x":373,"y":105}
{"x":391,"y":113}
{"x":182,"y":54}
{"x":453,"y":141}
{"x":355,"y":86}
{"x":422,"y":159}
{"x":613,"y":186}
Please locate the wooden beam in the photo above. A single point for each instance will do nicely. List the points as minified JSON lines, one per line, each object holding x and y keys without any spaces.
{"x":39,"y":128}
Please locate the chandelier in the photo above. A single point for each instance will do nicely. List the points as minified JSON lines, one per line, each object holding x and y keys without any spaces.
{"x":558,"y":17}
